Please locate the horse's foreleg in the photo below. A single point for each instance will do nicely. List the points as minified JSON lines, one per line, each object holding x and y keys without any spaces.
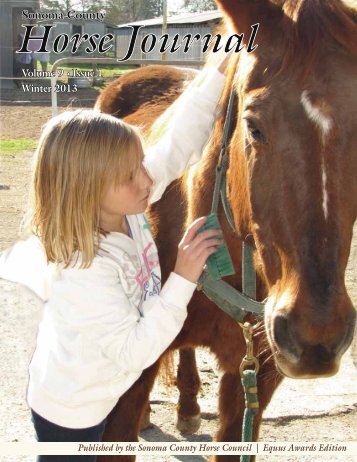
{"x":188,"y":383}
{"x":124,"y":421}
{"x":145,"y":418}
{"x":231,"y":407}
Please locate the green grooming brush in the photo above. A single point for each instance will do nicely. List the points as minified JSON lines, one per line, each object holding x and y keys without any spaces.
{"x":219,"y":264}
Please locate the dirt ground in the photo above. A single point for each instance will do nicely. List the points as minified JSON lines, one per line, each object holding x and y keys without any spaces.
{"x":37,"y":110}
{"x":315,"y":410}
{"x":13,"y":125}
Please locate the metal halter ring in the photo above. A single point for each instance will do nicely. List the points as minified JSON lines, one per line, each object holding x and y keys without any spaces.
{"x":249,"y":359}
{"x":245,"y":363}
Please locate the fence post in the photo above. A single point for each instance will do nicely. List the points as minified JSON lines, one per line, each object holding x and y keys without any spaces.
{"x":53,"y":95}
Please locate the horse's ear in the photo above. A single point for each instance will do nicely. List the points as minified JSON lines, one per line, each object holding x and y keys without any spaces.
{"x":244,"y":13}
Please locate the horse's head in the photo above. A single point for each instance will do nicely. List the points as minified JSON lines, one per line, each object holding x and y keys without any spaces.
{"x":293,"y":153}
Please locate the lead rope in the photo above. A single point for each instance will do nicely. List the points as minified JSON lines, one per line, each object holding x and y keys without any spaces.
{"x":248,"y":376}
{"x":249,"y":382}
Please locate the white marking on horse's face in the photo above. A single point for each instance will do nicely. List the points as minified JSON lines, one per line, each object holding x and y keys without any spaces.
{"x":324,"y":190}
{"x":324,"y":122}
{"x":315,"y":114}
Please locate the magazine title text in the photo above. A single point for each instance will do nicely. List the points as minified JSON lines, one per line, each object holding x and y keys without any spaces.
{"x":149,"y":42}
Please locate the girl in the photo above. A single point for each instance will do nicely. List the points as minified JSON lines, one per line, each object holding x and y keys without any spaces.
{"x":105,"y":316}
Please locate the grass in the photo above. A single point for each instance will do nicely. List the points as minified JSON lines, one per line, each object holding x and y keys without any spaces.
{"x":15,"y":146}
{"x":105,"y":70}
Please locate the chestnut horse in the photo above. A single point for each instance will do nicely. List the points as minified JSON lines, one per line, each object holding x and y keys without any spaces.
{"x":292,"y":187}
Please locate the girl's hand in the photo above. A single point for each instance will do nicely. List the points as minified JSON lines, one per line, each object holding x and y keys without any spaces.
{"x":194,"y":249}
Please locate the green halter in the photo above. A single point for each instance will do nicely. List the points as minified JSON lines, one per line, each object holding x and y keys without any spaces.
{"x":236,"y":304}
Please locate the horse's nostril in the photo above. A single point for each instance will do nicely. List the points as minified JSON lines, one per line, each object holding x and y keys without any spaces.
{"x":321,"y":354}
{"x":282,"y":336}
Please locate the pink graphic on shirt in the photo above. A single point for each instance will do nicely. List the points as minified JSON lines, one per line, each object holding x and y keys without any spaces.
{"x":149,"y":265}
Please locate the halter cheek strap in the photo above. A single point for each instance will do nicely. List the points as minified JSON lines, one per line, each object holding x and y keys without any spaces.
{"x":236,"y":304}
{"x":220,"y":187}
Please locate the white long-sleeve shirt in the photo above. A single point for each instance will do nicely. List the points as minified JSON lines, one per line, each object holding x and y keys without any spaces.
{"x":103,"y":325}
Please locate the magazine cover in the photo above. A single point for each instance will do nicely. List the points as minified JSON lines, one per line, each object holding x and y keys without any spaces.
{"x":178,"y":250}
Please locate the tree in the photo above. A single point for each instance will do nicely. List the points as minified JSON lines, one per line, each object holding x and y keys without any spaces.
{"x":197,"y":6}
{"x":153,"y":8}
{"x":63,"y":6}
{"x":124,"y":11}
{"x":57,"y":6}
{"x":116,"y":11}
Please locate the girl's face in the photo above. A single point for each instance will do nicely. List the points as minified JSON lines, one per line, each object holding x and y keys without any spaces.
{"x":127,"y":199}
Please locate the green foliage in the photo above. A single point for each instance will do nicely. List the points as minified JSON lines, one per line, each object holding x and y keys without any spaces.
{"x":116,"y":11}
{"x":124,"y":11}
{"x":198,"y":6}
{"x":58,"y":6}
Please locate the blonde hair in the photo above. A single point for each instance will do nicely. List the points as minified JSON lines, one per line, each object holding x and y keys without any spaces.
{"x":78,"y":155}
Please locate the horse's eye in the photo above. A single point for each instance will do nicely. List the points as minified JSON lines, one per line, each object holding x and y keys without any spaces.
{"x":254,"y":132}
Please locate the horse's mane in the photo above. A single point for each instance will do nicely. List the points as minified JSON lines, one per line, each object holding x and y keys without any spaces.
{"x":308,"y":23}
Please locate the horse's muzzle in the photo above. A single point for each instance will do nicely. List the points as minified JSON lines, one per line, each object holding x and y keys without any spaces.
{"x":303,"y":350}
